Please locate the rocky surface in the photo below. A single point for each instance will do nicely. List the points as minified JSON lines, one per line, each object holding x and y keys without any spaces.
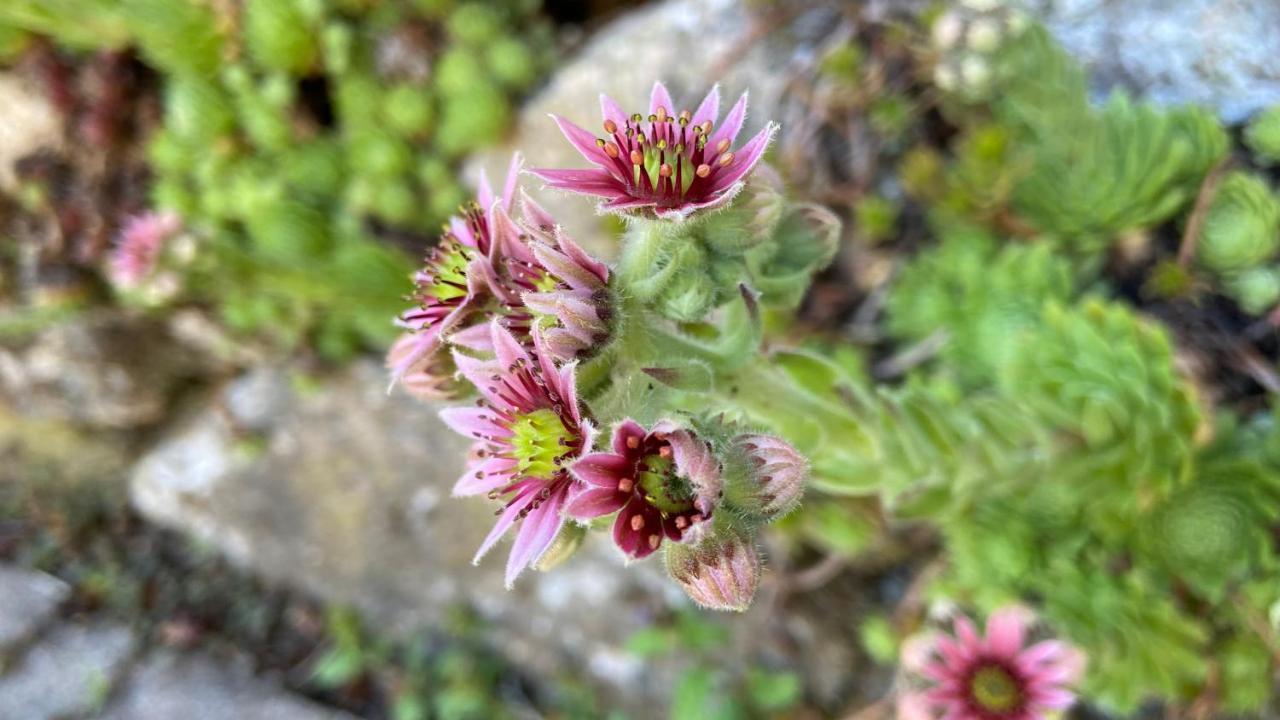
{"x":105,"y":369}
{"x":57,"y":668}
{"x":168,"y":685}
{"x":30,"y":600}
{"x":69,"y":672}
{"x":1220,"y":53}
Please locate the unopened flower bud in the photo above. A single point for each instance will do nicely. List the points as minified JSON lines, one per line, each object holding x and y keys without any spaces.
{"x":774,"y":479}
{"x":720,"y":573}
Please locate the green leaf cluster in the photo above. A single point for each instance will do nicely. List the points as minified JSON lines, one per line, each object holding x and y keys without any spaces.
{"x":296,"y":130}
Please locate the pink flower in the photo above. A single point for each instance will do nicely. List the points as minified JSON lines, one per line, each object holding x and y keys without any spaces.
{"x":997,"y":677}
{"x":672,"y":164}
{"x":453,"y":277}
{"x":546,"y":279}
{"x":528,"y":430}
{"x":137,"y":252}
{"x":666,"y":483}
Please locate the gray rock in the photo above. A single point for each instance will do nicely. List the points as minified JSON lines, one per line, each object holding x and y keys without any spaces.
{"x":199,"y":687}
{"x":688,"y":44}
{"x":346,"y":492}
{"x":28,"y":123}
{"x":1221,"y":53}
{"x":30,"y":599}
{"x":105,"y":369}
{"x":69,"y":672}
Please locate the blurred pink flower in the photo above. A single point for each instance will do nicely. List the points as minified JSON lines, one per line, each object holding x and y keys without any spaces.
{"x":528,"y":430}
{"x":665,"y":482}
{"x":671,"y":164}
{"x":137,"y":252}
{"x":996,"y":677}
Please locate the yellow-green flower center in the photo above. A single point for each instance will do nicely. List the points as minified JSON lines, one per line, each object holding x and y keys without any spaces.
{"x":661,"y":487}
{"x":994,"y":689}
{"x":448,"y":272}
{"x":539,"y":439}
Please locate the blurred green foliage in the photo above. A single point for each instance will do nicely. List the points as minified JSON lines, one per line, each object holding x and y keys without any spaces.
{"x":296,"y":131}
{"x":1048,"y":430}
{"x":708,"y":686}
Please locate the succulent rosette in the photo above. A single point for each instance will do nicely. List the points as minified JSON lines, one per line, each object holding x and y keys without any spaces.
{"x":455,"y":274}
{"x":528,"y":429}
{"x":663,"y":483}
{"x":997,"y":676}
{"x":669,"y":164}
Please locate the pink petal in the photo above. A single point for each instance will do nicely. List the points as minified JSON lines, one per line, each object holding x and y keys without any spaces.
{"x":536,"y":534}
{"x":472,"y":422}
{"x":534,"y":214}
{"x":595,"y":502}
{"x":1055,"y":699}
{"x":505,"y":521}
{"x":575,"y":275}
{"x":718,"y":199}
{"x":622,"y":203}
{"x":458,"y":227}
{"x":595,"y":182}
{"x":611,"y":110}
{"x":732,"y":124}
{"x":602,"y":470}
{"x":491,"y":474}
{"x":745,"y":159}
{"x":505,"y":346}
{"x":513,"y":176}
{"x":484,"y":193}
{"x":660,"y":98}
{"x":584,"y":141}
{"x":709,"y":109}
{"x":626,"y":430}
{"x":1006,"y":631}
{"x":475,"y":337}
{"x":581,"y":257}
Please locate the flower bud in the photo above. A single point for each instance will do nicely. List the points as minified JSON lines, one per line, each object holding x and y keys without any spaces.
{"x":720,"y":573}
{"x":775,"y":477}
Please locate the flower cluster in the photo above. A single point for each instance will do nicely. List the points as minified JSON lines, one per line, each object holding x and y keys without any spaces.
{"x":557,"y":348}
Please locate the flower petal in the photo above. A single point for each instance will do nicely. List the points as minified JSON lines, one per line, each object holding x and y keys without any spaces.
{"x":709,"y":109}
{"x":590,"y":182}
{"x":602,"y":470}
{"x":625,"y":432}
{"x":595,"y":502}
{"x":584,"y":141}
{"x":472,"y":422}
{"x":505,"y":521}
{"x":660,"y":98}
{"x":732,"y":124}
{"x":745,"y":159}
{"x":1006,"y":631}
{"x":513,"y":177}
{"x":488,"y":475}
{"x":611,"y":110}
{"x":536,"y":534}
